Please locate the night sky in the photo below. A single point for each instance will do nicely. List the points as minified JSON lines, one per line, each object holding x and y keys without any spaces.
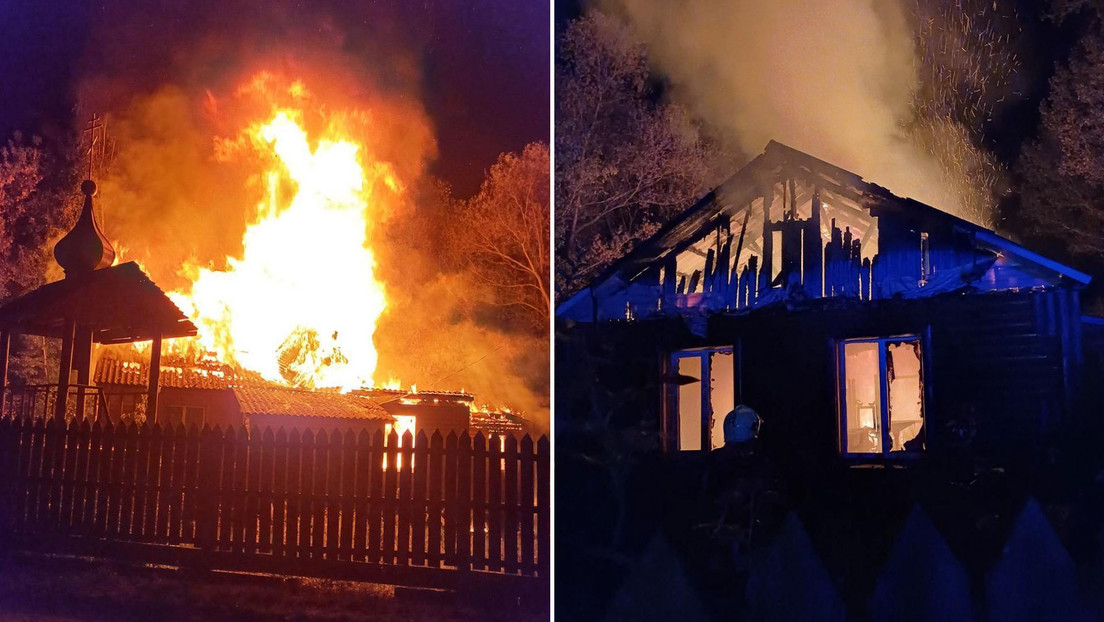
{"x":480,"y":68}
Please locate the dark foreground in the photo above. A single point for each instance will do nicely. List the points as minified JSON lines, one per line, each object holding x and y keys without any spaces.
{"x":69,"y":590}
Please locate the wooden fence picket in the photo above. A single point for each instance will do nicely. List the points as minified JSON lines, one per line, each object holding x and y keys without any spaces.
{"x":127,"y":483}
{"x":434,"y":514}
{"x":510,"y":527}
{"x":307,"y":478}
{"x":266,"y":508}
{"x":451,"y":508}
{"x":464,"y":502}
{"x":239,"y":513}
{"x":494,"y":504}
{"x":141,"y":480}
{"x":54,"y":471}
{"x":295,"y":495}
{"x":544,"y":507}
{"x":478,"y":502}
{"x":362,"y":489}
{"x":402,"y":506}
{"x":528,"y":501}
{"x":190,"y":491}
{"x":166,"y":485}
{"x":37,"y":493}
{"x":253,"y":501}
{"x":333,"y":494}
{"x":348,"y":494}
{"x":390,"y":496}
{"x":318,"y":494}
{"x":207,"y":488}
{"x":427,"y":501}
{"x":418,"y":499}
{"x":280,"y":488}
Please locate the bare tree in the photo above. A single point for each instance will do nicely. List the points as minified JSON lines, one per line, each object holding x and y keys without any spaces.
{"x":625,"y":161}
{"x":505,"y":233}
{"x":1062,"y":170}
{"x":37,"y":202}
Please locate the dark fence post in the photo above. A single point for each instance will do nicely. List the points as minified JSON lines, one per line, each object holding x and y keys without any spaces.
{"x":528,"y":503}
{"x":207,"y":488}
{"x":478,"y":501}
{"x":510,"y":547}
{"x":435,"y":514}
{"x":419,"y":503}
{"x":544,"y":511}
{"x":463,"y":502}
{"x":9,"y":452}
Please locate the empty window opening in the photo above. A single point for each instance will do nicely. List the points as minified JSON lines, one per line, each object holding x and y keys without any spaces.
{"x":702,"y":406}
{"x":881,"y":395}
{"x":188,"y":416}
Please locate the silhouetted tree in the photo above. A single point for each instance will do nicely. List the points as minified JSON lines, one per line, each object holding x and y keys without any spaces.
{"x":1062,"y":170}
{"x":625,"y":159}
{"x":504,"y":232}
{"x":38,"y":200}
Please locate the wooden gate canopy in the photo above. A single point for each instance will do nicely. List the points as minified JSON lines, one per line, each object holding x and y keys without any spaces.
{"x":119,"y":304}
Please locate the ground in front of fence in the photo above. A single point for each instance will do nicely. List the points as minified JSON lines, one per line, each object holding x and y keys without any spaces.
{"x":34,"y":587}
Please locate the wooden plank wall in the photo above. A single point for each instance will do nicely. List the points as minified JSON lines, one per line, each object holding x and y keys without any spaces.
{"x":455,"y":502}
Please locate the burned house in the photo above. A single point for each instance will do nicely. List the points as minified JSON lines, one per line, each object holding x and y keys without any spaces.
{"x":220,"y":395}
{"x":855,"y":322}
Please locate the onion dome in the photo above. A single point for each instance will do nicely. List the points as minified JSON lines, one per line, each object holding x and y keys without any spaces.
{"x":84,"y":248}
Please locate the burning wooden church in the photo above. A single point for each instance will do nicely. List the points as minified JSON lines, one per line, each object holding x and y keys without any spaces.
{"x":855,"y":322}
{"x":101,"y":303}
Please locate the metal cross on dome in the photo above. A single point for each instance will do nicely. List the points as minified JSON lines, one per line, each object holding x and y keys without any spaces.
{"x":95,"y":126}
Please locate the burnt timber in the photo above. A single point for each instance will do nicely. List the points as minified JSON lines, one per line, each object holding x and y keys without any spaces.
{"x":793,"y":256}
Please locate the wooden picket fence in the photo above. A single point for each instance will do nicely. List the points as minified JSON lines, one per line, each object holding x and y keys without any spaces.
{"x":338,"y":504}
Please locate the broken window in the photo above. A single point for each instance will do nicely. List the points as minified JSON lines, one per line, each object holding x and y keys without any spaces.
{"x":701,"y":406}
{"x":881,"y":395}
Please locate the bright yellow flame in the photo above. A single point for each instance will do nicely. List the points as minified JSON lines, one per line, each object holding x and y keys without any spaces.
{"x":301,"y":303}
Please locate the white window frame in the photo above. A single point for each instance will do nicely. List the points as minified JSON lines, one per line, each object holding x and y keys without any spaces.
{"x":883,"y":388}
{"x":674,"y":417}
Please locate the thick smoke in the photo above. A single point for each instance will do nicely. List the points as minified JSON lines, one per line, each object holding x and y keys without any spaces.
{"x":834,"y":78}
{"x":179,"y":82}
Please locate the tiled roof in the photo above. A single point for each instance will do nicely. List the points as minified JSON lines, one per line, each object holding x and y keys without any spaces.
{"x":302,"y":403}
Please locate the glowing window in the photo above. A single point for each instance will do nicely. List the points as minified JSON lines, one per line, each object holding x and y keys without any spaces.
{"x":881,"y":395}
{"x":700,"y":407}
{"x":402,"y":425}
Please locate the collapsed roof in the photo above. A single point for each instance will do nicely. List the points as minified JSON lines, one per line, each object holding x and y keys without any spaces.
{"x":790,"y":226}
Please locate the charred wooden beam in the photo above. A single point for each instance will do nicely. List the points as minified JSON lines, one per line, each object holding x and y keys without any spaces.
{"x":768,"y":245}
{"x":814,"y":251}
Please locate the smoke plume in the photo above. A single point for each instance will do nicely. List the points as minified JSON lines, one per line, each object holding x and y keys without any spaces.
{"x":834,"y":78}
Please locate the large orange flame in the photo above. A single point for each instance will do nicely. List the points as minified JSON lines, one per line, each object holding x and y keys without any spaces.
{"x":301,"y":302}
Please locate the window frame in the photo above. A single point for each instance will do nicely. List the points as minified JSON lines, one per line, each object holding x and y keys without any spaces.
{"x":673,"y":418}
{"x":883,"y":386}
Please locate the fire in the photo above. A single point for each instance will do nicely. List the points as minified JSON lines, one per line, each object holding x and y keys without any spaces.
{"x":301,"y":302}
